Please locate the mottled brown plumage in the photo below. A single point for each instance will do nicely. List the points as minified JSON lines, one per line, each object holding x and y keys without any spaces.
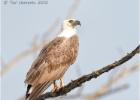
{"x":51,"y":64}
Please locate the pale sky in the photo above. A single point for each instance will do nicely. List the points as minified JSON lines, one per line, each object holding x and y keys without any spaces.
{"x":109,"y":30}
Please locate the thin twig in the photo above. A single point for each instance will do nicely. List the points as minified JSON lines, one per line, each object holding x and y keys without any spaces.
{"x":107,"y":86}
{"x":109,"y":92}
{"x":72,"y":10}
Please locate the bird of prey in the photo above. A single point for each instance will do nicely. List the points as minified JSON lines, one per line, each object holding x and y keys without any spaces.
{"x":53,"y":61}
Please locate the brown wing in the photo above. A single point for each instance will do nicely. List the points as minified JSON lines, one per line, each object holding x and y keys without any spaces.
{"x":60,"y":58}
{"x":64,"y":54}
{"x":39,"y":89}
{"x":53,"y":60}
{"x":40,"y":64}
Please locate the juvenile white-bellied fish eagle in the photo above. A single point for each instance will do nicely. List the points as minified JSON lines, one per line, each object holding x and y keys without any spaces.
{"x":53,"y":61}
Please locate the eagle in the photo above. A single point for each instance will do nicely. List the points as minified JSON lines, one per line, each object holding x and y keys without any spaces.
{"x":53,"y":61}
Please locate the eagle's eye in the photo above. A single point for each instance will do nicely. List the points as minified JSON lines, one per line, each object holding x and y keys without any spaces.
{"x":71,"y":21}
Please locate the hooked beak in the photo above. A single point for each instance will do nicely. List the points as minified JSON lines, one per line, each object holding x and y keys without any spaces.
{"x":77,"y":22}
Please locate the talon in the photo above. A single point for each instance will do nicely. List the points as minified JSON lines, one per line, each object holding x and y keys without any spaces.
{"x":55,"y":87}
{"x":62,"y":82}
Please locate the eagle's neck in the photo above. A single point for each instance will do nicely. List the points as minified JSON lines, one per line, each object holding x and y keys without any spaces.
{"x":67,"y":33}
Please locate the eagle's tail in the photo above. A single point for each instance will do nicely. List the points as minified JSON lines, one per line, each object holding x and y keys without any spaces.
{"x":38,"y":90}
{"x":27,"y":92}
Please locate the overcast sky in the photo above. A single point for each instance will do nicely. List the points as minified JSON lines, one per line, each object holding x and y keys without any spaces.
{"x":109,"y":30}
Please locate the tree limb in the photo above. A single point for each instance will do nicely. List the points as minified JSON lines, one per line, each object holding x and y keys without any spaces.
{"x":109,"y":92}
{"x":78,"y":82}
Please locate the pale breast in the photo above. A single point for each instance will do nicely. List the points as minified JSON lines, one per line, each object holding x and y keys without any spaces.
{"x":57,"y":56}
{"x":60,"y":60}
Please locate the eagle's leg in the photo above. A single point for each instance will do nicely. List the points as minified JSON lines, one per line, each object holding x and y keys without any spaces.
{"x":55,"y":87}
{"x":61,"y":82}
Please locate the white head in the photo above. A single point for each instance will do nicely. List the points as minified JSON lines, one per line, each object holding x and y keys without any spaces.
{"x":69,"y":28}
{"x":71,"y":24}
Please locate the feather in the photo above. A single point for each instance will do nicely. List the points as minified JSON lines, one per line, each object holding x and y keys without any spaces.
{"x":53,"y":60}
{"x":27,"y":92}
{"x":38,"y":90}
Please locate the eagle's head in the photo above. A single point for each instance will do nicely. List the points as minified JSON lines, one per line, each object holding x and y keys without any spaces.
{"x":71,"y":23}
{"x":69,"y":28}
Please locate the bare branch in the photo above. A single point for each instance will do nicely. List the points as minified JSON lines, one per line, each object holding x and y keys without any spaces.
{"x":106,"y":89}
{"x":73,"y":8}
{"x":107,"y":86}
{"x":50,"y":30}
{"x":17,"y":58}
{"x":108,"y":92}
{"x":78,"y":82}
